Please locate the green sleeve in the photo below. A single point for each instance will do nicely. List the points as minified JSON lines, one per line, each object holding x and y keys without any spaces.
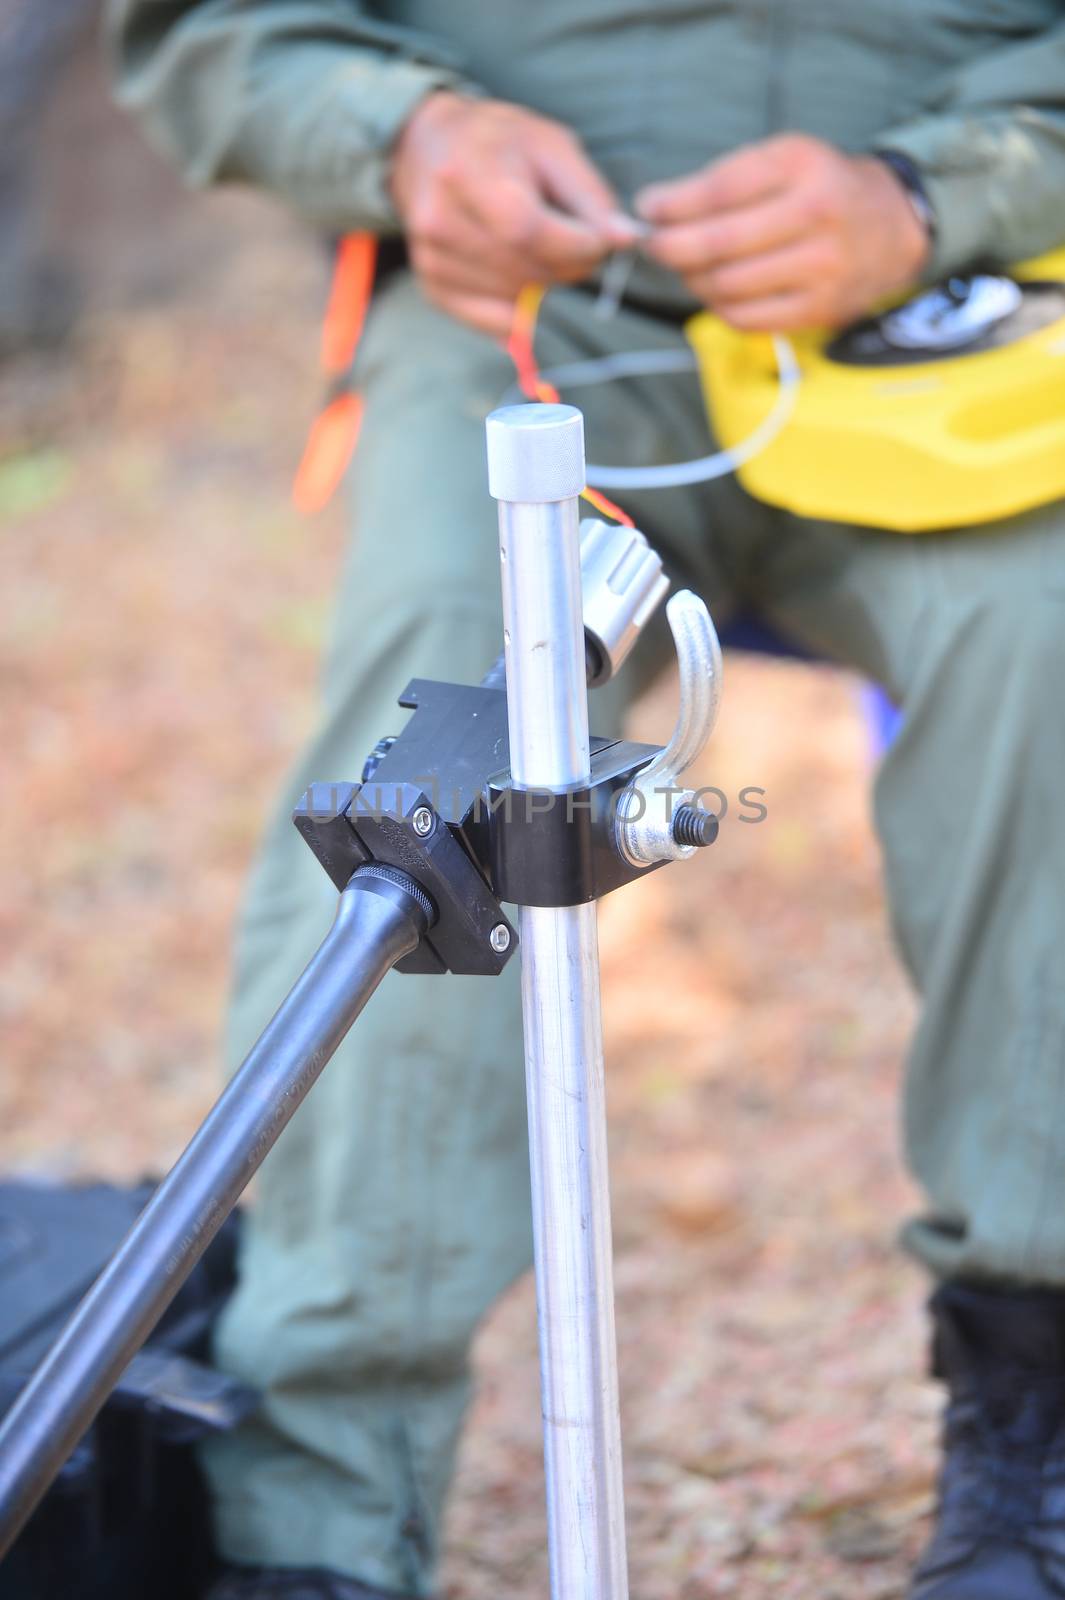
{"x":301,"y":97}
{"x":991,"y":152}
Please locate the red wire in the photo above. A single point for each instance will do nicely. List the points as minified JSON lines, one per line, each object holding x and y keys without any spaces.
{"x":521,"y":348}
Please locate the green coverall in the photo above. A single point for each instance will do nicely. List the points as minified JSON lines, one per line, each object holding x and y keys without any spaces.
{"x":396,"y":1206}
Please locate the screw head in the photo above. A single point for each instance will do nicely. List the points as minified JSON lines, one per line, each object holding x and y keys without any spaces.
{"x":422,"y":821}
{"x":499,"y":938}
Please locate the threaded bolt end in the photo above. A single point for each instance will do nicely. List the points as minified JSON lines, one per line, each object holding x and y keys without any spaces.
{"x":693,"y":826}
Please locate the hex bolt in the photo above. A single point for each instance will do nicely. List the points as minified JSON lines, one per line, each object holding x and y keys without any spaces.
{"x":693,"y":826}
{"x":422,"y":821}
{"x":499,"y":938}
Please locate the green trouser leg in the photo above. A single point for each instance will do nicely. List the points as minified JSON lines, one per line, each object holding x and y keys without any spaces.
{"x":396,"y":1206}
{"x":967,"y":631}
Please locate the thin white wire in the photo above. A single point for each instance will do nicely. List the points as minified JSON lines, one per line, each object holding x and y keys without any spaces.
{"x":615,"y":281}
{"x":680,"y":474}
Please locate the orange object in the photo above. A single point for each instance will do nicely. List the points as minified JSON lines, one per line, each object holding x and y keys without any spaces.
{"x":349,"y":301}
{"x":335,"y":430}
{"x":607,"y":507}
{"x":520,"y":345}
{"x":329,"y":448}
{"x":521,"y":348}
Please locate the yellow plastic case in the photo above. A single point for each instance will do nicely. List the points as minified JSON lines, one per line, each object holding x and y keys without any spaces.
{"x":912,"y":440}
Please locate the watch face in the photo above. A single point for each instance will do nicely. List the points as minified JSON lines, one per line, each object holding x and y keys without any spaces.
{"x":964,"y":315}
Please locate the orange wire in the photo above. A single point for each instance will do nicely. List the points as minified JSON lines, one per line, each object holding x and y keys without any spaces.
{"x":521,"y":345}
{"x":521,"y":348}
{"x":607,"y":507}
{"x":335,"y":431}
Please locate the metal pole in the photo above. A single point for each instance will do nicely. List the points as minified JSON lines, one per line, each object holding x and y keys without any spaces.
{"x":379,"y":919}
{"x":536,"y":471}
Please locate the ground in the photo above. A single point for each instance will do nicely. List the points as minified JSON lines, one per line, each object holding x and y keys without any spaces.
{"x":160,"y":617}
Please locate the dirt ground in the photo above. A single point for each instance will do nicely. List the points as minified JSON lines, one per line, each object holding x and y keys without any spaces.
{"x":160,"y":616}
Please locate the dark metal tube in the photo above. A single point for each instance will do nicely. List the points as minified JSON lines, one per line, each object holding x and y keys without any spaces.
{"x":377,"y":923}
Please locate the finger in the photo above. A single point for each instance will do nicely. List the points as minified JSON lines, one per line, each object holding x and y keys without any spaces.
{"x":750,"y":174}
{"x":801,"y":268}
{"x":487,"y":313}
{"x":461,"y":237}
{"x":575,"y":186}
{"x":781,"y":313}
{"x":731,"y":235}
{"x":487,"y":264}
{"x":496,"y":277}
{"x":524,"y":222}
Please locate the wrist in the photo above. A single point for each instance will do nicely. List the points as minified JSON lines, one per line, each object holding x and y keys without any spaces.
{"x":906,"y":210}
{"x":907,"y":175}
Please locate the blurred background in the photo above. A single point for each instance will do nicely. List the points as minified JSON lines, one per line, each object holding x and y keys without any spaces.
{"x":161,"y":612}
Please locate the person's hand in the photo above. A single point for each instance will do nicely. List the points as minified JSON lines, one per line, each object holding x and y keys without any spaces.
{"x":789,"y":233}
{"x":492,"y":197}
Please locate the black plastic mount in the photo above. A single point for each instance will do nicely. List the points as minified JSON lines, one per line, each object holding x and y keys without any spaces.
{"x":556,"y":848}
{"x":348,"y":825}
{"x":439,"y":804}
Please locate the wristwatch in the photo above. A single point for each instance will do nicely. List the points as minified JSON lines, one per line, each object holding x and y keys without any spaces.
{"x":909,"y":175}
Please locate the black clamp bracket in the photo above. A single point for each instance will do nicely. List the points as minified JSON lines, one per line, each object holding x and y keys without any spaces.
{"x":396,"y":826}
{"x":438,"y":803}
{"x":410,"y":812}
{"x":548,"y":848}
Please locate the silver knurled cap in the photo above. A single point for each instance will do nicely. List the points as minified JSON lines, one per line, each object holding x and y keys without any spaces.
{"x":535,"y":453}
{"x":622,"y":583}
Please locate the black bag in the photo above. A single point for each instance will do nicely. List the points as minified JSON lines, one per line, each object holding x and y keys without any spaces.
{"x":127,"y":1517}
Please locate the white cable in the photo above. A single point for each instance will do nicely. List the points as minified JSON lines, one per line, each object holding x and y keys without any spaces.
{"x":615,"y":281}
{"x":680,"y":474}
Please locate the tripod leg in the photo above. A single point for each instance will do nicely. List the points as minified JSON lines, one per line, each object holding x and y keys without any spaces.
{"x":379,"y":920}
{"x":536,"y":468}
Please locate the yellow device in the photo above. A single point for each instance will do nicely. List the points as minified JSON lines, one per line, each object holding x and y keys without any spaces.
{"x":942,"y":412}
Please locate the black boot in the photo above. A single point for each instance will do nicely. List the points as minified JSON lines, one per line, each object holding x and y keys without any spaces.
{"x":1000,"y":1533}
{"x":292,"y":1583}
